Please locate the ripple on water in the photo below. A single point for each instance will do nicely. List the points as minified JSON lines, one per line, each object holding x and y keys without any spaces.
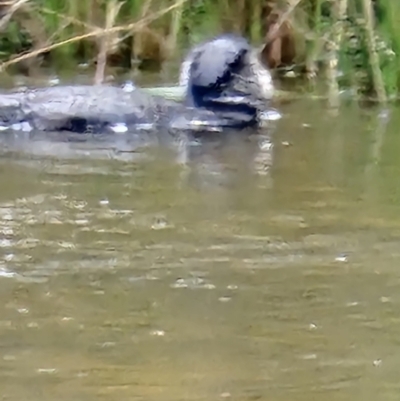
{"x":133,"y":280}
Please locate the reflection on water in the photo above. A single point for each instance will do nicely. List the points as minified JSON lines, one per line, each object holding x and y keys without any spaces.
{"x":266,"y":268}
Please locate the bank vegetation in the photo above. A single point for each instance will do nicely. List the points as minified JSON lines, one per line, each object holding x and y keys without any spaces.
{"x":351,"y":46}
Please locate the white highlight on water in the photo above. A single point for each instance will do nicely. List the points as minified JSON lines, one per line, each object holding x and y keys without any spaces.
{"x":119,"y":128}
{"x":128,"y":86}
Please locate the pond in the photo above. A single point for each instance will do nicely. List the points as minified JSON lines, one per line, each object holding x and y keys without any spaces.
{"x":267,"y":267}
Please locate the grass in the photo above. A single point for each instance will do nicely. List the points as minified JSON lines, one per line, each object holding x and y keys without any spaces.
{"x":351,"y":43}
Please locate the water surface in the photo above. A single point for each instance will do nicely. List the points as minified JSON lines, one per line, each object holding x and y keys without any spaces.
{"x":266,"y":268}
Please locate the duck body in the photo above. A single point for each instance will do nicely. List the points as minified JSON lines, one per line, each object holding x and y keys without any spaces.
{"x":225,"y":86}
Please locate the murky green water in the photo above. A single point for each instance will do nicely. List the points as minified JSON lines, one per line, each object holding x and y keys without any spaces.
{"x":258,"y":272}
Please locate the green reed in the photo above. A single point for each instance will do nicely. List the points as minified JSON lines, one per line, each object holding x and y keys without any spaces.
{"x":41,"y":24}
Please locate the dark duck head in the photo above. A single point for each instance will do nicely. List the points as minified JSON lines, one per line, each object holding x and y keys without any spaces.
{"x":226,"y":76}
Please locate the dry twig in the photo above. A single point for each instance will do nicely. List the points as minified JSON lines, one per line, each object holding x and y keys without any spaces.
{"x":134,"y":26}
{"x":112,"y":12}
{"x":10,"y":12}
